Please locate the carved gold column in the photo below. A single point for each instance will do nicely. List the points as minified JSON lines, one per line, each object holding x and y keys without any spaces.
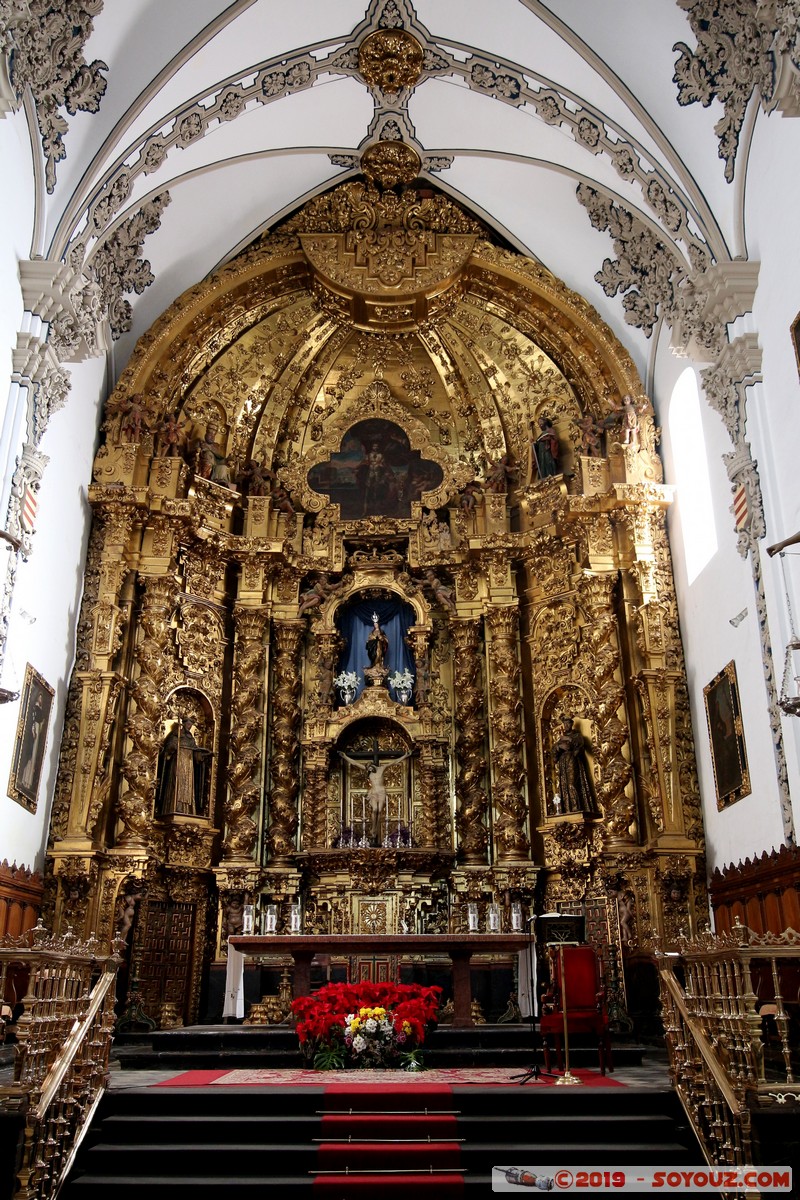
{"x":434,"y":831}
{"x":247,"y":722}
{"x":315,"y":795}
{"x":600,"y":662}
{"x":135,"y":805}
{"x":472,"y":802}
{"x":284,"y":765}
{"x":511,"y":841}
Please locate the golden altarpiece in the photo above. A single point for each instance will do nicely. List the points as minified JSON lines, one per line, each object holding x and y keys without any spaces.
{"x":379,"y":613}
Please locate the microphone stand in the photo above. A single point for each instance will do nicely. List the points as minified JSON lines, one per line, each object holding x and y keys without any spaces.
{"x":534,"y":1071}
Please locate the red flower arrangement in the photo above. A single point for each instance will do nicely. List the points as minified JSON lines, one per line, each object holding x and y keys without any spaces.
{"x":366,"y":1024}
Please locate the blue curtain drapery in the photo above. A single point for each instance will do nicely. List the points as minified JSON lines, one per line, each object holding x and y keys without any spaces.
{"x":355,"y":622}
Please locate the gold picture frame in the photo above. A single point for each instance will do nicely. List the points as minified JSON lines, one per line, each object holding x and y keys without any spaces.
{"x":726,"y":737}
{"x":31,"y":739}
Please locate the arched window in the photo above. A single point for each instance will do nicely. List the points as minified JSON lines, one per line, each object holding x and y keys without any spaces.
{"x":691,"y":475}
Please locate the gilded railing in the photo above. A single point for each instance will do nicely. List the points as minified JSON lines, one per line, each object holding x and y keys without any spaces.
{"x":730,"y":1008}
{"x":63,"y":1039}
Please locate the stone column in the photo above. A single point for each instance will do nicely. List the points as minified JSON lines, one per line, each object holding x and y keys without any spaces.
{"x":511,"y":841}
{"x":284,"y":762}
{"x":472,"y":802}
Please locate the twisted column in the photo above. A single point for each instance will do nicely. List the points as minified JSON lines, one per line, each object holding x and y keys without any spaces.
{"x":511,"y":842}
{"x":315,"y":796}
{"x":247,"y":719}
{"x":135,"y":805}
{"x":472,"y":803}
{"x":433,"y":829}
{"x":284,"y":762}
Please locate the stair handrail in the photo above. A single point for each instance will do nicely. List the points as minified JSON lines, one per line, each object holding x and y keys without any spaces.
{"x":714,"y":1031}
{"x":64,"y":1036}
{"x":704,"y":1046}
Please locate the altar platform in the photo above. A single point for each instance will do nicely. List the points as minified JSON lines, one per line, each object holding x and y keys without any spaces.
{"x":243,"y":1046}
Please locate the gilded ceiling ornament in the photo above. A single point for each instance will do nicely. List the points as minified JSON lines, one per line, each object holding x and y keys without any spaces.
{"x":387,"y":164}
{"x":390,"y":59}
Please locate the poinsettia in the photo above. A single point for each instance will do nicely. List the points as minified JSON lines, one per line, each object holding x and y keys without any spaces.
{"x":367,"y":1024}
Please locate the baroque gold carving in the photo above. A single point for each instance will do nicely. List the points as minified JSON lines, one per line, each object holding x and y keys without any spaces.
{"x":390,"y":59}
{"x":508,"y":794}
{"x":135,"y":805}
{"x":244,"y":764}
{"x":470,"y":749}
{"x":284,"y":767}
{"x":387,"y":164}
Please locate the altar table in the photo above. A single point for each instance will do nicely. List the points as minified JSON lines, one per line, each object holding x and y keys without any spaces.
{"x":303,"y":948}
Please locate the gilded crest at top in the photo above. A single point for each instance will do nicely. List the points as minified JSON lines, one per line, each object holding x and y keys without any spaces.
{"x":390,"y":59}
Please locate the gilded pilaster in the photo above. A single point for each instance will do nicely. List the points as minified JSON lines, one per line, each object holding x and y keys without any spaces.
{"x":284,"y":772}
{"x":511,"y":840}
{"x":247,"y":722}
{"x":472,"y":802}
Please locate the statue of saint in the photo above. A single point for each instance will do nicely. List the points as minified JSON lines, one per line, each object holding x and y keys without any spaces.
{"x":574,"y":781}
{"x":376,"y":796}
{"x":181,"y":772}
{"x":546,"y":450}
{"x":377,"y":644}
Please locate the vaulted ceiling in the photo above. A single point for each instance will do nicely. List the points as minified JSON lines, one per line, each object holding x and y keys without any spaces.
{"x":197,"y":124}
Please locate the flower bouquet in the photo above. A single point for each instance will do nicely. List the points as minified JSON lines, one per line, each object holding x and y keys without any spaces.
{"x":366,"y":1024}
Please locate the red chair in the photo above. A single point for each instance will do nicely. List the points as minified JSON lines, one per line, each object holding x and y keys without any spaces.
{"x":586,"y":1004}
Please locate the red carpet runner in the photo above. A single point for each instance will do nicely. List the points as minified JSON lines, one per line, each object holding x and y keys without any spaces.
{"x":380,"y":1140}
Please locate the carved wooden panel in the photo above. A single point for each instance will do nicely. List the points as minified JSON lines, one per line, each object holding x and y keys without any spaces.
{"x":163,"y":955}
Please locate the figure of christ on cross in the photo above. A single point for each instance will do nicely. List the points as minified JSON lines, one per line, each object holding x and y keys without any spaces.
{"x":375,"y":763}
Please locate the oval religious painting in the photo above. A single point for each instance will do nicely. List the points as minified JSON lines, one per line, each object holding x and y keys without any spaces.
{"x":375,"y":473}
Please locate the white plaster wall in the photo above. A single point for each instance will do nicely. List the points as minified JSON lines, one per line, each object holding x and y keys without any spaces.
{"x":48,"y":588}
{"x":47,"y":597}
{"x":16,"y":231}
{"x":725,"y":586}
{"x":773,"y":428}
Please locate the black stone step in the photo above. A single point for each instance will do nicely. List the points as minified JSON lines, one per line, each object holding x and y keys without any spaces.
{"x":228,"y":1047}
{"x":248,"y":1140}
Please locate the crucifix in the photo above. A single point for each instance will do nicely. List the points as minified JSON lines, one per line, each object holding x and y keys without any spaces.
{"x":375,"y":762}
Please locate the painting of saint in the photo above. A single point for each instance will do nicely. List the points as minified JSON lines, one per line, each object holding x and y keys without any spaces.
{"x":28,"y":759}
{"x":726,"y":735}
{"x":375,"y":473}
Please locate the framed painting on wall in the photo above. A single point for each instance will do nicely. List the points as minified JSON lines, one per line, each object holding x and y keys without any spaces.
{"x":28,"y":758}
{"x":795,"y":330}
{"x":726,"y":735}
